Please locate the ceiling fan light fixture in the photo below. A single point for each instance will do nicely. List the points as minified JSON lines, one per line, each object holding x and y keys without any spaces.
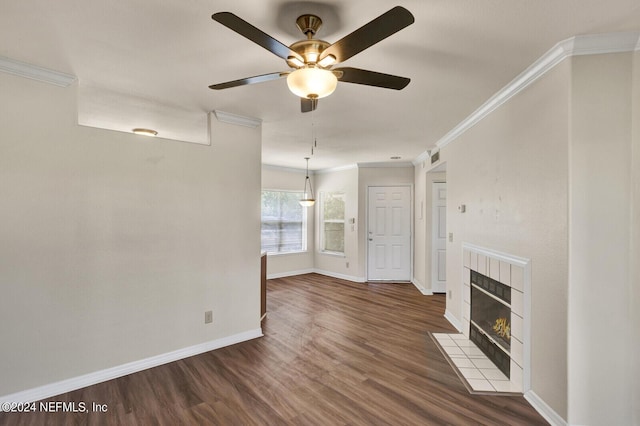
{"x":295,"y":61}
{"x":145,"y":132}
{"x":312,"y":83}
{"x":327,"y":61}
{"x":312,"y":57}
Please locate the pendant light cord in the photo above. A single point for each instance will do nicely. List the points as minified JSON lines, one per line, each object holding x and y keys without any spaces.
{"x":307,"y":180}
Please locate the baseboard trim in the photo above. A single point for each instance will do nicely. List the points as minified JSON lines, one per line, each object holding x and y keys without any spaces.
{"x":453,"y":320}
{"x":68,"y":385}
{"x":417,"y":284}
{"x":544,"y":410}
{"x":290,"y":273}
{"x":317,"y":271}
{"x":340,"y":276}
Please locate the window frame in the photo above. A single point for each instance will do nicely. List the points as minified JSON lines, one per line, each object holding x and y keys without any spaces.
{"x":305,"y":247}
{"x":322,"y":221}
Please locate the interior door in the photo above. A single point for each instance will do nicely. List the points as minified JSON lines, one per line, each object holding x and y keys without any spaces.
{"x":439,"y":238}
{"x":389,"y":233}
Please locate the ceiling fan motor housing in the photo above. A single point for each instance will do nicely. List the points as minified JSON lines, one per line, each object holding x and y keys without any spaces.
{"x":310,"y":51}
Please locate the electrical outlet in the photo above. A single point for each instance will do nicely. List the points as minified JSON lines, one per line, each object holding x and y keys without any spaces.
{"x":449,"y":294}
{"x":208,"y":317}
{"x":347,"y":264}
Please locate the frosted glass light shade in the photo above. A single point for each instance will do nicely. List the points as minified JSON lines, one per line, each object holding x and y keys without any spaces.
{"x":312,"y":83}
{"x":307,"y":202}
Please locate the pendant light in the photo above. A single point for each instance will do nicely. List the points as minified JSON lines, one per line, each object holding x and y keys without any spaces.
{"x":307,"y":201}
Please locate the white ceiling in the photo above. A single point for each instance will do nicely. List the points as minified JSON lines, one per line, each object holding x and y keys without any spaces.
{"x":165,"y":53}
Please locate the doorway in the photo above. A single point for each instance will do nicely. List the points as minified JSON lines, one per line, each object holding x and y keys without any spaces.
{"x":389,"y":233}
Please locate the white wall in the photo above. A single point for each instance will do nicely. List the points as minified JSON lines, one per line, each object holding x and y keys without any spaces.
{"x":354,"y":183}
{"x":375,"y":176}
{"x":510,"y":170}
{"x":278,"y":265}
{"x":342,"y":181}
{"x":634,"y":253}
{"x":112,"y":245}
{"x":601,"y":290}
{"x":552,"y":175}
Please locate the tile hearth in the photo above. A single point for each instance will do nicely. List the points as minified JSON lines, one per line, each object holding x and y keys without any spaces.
{"x":477,"y":372}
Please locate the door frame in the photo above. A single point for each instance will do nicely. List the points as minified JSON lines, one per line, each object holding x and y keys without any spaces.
{"x":433,"y":250}
{"x":366,"y":230}
{"x":430,"y":179}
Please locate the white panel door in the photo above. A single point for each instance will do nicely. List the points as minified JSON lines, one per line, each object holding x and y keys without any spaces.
{"x":389,"y":233}
{"x":439,"y":238}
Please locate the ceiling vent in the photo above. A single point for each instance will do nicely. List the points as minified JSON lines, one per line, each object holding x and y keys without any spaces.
{"x":435,"y":157}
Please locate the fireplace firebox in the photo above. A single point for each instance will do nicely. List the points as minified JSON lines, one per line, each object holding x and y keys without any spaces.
{"x":490,"y":325}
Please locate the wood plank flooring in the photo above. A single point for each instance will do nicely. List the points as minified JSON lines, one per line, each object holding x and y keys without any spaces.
{"x":334,"y":353}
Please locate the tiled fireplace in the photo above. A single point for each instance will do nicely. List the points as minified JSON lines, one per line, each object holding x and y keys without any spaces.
{"x":491,"y":354}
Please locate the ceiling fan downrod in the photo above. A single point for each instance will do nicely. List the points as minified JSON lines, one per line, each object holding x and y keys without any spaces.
{"x":309,"y":25}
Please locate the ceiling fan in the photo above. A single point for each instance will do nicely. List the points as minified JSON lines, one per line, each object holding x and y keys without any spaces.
{"x":312,"y":75}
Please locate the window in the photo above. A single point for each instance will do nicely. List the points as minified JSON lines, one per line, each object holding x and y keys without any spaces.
{"x":284,"y":222}
{"x":332,"y":222}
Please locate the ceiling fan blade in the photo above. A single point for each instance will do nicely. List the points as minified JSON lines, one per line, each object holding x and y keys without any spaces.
{"x":369,"y":34}
{"x":307,"y":105}
{"x":372,"y":78}
{"x":257,"y":36}
{"x":249,"y":80}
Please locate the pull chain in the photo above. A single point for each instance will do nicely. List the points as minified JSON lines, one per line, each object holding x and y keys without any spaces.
{"x":314,"y":144}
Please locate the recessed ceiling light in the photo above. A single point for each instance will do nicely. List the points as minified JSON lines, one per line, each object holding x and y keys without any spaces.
{"x":146,"y":132}
{"x":396,"y":157}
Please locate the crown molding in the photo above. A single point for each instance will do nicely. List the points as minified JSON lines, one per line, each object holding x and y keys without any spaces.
{"x":597,"y":44}
{"x":422,"y":157}
{"x":575,"y":46}
{"x":285,"y":169}
{"x":240,"y":120}
{"x":402,"y":164}
{"x":34,"y":72}
{"x":385,"y":165}
{"x":311,"y":172}
{"x":337,"y":169}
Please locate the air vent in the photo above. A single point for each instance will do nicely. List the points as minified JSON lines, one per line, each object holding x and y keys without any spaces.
{"x":435,"y":157}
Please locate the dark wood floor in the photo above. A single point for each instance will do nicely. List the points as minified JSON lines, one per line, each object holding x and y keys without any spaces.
{"x":334,"y":353}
